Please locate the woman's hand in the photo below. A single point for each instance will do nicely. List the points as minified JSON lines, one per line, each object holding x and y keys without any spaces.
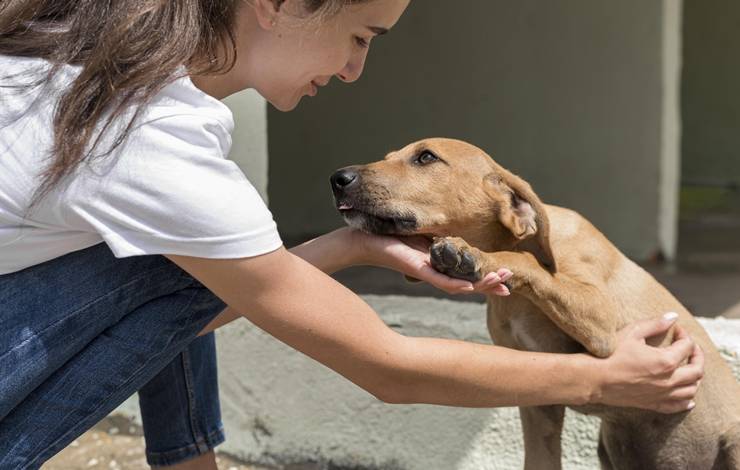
{"x":659,"y":379}
{"x":410,"y":256}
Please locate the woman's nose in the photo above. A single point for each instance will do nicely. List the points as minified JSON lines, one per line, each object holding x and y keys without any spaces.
{"x":353,"y":68}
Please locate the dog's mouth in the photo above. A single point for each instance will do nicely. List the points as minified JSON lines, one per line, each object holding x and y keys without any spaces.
{"x":374,"y":220}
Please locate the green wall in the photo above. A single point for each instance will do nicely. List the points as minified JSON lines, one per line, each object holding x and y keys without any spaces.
{"x":710,"y":92}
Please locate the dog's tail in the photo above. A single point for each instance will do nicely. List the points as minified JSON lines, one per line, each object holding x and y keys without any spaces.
{"x":730,"y":448}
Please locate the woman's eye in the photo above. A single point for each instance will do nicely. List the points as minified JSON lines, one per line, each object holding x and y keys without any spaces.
{"x":426,"y":157}
{"x":362,"y":42}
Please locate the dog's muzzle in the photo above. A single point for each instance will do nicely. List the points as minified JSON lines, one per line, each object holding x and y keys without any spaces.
{"x":363,"y":214}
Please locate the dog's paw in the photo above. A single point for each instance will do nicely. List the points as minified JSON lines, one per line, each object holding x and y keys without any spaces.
{"x":455,"y":258}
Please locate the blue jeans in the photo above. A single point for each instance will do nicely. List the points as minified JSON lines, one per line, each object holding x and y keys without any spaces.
{"x":81,"y":333}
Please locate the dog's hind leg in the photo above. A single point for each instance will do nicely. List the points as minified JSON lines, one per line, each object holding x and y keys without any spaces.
{"x":542,"y":426}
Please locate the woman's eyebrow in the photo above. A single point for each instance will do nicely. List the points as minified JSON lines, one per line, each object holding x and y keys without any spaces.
{"x":377,"y":30}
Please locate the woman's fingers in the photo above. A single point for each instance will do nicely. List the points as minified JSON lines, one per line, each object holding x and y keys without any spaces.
{"x":684,"y":381}
{"x":501,"y":290}
{"x":417,"y":242}
{"x":505,"y":274}
{"x":678,"y":352}
{"x":687,"y":392}
{"x":448,"y":284}
{"x":697,"y":357}
{"x":676,"y":406}
{"x":417,"y":265}
{"x":679,"y":332}
{"x":492,"y":283}
{"x":692,"y":372}
{"x":402,"y":256}
{"x":654,"y":326}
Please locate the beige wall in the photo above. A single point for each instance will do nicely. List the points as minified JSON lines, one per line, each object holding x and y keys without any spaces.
{"x":249,"y":139}
{"x":568,"y":93}
{"x":670,"y":132}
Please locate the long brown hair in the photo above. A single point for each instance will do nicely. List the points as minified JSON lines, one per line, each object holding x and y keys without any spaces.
{"x":128,"y":49}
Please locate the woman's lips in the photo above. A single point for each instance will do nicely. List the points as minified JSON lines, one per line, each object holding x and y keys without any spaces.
{"x":314,"y":89}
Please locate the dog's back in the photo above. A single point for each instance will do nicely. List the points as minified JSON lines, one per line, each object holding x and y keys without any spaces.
{"x":708,"y":436}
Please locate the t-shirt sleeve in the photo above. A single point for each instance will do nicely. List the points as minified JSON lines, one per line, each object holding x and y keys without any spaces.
{"x":170,"y":190}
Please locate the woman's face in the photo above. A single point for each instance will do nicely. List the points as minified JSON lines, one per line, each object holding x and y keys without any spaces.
{"x":287,"y":54}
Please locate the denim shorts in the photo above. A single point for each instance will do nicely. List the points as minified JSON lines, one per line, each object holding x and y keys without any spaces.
{"x":81,"y":333}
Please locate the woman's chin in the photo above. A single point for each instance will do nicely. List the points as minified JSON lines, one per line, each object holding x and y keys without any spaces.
{"x":286,"y":105}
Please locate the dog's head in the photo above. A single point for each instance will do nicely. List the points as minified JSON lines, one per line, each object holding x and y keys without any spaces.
{"x":444,"y":187}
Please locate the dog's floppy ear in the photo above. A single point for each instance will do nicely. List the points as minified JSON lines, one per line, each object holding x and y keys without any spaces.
{"x":525,"y":217}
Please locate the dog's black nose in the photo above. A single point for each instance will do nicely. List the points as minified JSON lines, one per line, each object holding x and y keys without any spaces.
{"x":343,"y":178}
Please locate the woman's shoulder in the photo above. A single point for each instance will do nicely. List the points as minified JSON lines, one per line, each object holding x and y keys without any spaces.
{"x":182,"y":98}
{"x":179,"y":97}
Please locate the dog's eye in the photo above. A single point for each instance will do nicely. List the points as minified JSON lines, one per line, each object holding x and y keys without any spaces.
{"x":425,"y":158}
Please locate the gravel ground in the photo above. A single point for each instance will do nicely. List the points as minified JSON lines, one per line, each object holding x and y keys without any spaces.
{"x":116,"y":444}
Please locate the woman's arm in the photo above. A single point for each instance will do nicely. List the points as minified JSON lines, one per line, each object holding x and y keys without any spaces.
{"x":347,"y":247}
{"x":331,"y":252}
{"x":306,"y":309}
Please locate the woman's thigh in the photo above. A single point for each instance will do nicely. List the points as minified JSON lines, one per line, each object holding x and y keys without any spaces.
{"x":83,"y":332}
{"x":52,"y":311}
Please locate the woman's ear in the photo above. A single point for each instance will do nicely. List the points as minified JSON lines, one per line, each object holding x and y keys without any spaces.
{"x":525,"y":217}
{"x":266,"y":12}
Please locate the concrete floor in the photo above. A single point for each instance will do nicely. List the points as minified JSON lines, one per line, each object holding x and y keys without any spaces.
{"x":706,"y":274}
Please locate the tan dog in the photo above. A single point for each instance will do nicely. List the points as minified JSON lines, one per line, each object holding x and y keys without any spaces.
{"x":572,"y":289}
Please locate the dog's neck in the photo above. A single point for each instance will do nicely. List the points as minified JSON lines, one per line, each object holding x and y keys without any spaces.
{"x":498,"y":238}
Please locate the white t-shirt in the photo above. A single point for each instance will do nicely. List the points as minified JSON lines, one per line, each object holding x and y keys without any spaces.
{"x":169,"y":189}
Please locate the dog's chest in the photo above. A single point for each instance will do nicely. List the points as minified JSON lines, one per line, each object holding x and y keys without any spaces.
{"x":516,"y":322}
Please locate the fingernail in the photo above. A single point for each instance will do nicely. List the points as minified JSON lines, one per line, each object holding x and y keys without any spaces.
{"x":468,"y":288}
{"x":691,"y":405}
{"x":670,"y":316}
{"x":506,"y":276}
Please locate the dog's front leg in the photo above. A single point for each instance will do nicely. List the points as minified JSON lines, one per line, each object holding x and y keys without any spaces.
{"x":542,"y":427}
{"x":581,"y":309}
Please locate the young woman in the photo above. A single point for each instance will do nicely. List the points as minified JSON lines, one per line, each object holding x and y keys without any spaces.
{"x":125,"y":232}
